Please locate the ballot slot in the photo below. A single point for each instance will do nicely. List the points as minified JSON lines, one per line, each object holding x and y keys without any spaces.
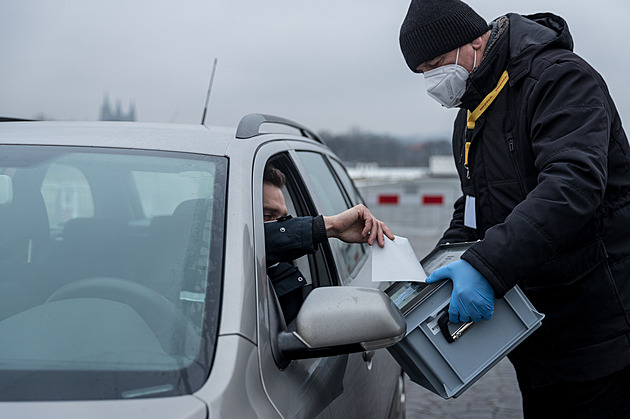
{"x":443,"y":255}
{"x":448,"y":358}
{"x":407,"y":295}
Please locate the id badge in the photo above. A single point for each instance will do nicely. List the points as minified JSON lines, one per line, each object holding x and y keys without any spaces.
{"x":470,"y":217}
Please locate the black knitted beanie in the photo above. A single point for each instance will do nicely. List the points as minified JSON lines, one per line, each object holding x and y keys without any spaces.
{"x":435,"y":27}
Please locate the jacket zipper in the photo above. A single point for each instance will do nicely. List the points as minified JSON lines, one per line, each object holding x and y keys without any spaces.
{"x":519,"y":175}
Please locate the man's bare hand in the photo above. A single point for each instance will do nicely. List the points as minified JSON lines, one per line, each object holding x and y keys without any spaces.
{"x":357,"y":225}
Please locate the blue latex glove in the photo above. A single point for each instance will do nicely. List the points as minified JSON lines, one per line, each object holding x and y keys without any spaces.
{"x":472,"y":297}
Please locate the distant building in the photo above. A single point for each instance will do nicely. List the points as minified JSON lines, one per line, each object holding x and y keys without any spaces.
{"x":108,"y":113}
{"x":442,"y":166}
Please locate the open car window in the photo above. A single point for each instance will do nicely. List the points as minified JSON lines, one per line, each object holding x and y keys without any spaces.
{"x":319,"y":268}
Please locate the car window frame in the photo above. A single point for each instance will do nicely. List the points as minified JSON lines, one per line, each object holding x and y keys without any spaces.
{"x":355,"y":191}
{"x":346,"y":275}
{"x":321,"y":263}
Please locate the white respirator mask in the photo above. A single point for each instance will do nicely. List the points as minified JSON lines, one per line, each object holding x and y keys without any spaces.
{"x":447,"y":84}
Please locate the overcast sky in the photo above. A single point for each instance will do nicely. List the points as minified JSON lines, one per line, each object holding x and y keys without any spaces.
{"x":332,"y":65}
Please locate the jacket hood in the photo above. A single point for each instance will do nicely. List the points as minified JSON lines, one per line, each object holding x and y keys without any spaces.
{"x":515,"y":50}
{"x":531,"y":34}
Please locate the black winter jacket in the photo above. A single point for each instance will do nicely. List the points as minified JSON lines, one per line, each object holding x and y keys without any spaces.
{"x":550,"y":172}
{"x":287,"y":239}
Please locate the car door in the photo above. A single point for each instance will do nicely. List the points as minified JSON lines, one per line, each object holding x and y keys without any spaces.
{"x":332,"y":187}
{"x":337,"y":386}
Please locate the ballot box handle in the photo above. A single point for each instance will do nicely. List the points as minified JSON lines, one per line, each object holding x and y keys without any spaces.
{"x":443,"y":323}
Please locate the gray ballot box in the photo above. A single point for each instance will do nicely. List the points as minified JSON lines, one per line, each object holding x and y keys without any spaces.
{"x":448,"y":358}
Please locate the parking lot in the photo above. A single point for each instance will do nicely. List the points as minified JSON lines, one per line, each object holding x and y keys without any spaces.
{"x":495,"y":395}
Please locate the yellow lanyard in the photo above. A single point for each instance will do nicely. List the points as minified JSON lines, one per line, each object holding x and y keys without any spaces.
{"x":474,"y":115}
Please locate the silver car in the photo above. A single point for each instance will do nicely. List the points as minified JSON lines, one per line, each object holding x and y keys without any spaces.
{"x":133,"y":280}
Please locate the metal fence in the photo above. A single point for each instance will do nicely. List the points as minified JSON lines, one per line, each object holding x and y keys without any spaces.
{"x":423,"y":206}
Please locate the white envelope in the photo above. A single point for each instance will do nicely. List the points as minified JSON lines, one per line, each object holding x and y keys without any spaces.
{"x":396,"y":262}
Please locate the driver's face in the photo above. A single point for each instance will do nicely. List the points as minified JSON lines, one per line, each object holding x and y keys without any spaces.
{"x":274,"y":205}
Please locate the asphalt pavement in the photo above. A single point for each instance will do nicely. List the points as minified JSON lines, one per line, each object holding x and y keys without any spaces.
{"x":495,"y":395}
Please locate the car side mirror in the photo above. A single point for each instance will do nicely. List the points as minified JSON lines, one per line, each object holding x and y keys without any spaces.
{"x":340,"y":320}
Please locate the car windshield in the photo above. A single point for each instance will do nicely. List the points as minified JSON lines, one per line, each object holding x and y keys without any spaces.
{"x":110,"y":271}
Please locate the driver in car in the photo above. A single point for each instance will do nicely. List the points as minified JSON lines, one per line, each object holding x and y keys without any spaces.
{"x":288,"y":238}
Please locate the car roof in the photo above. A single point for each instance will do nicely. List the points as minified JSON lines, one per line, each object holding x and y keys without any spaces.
{"x":150,"y":136}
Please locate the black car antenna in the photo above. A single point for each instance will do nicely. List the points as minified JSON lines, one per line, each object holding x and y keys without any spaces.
{"x":205,"y":108}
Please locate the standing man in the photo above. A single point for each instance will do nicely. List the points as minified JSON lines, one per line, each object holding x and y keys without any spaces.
{"x":544,"y":166}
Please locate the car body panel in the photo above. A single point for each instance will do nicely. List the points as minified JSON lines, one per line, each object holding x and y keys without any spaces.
{"x":245,"y":380}
{"x":234,"y":388}
{"x":183,"y":407}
